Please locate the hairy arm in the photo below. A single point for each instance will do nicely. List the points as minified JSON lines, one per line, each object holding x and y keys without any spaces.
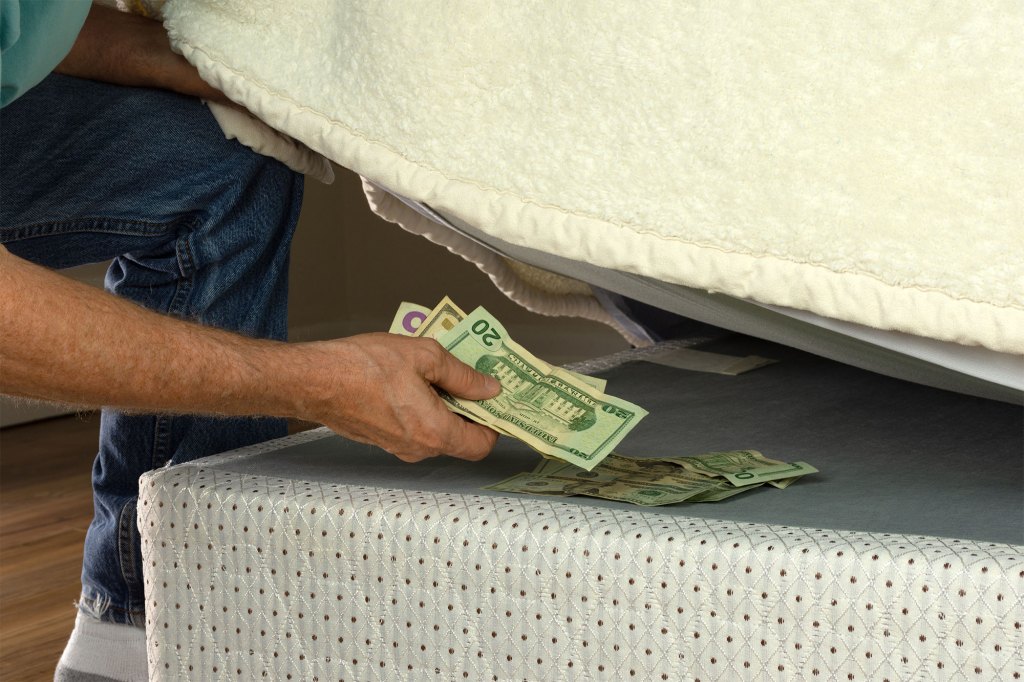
{"x":127,"y":49}
{"x":62,"y":340}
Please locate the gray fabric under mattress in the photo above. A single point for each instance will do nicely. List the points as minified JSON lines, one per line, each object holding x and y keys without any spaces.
{"x":894,"y":456}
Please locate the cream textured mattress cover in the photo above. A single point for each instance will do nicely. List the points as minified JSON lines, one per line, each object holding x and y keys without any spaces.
{"x":551,"y":284}
{"x":859,"y":161}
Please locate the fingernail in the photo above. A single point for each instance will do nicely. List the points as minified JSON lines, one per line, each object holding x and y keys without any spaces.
{"x":493,"y":384}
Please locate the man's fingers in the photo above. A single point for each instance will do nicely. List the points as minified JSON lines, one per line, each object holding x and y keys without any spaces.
{"x":461,"y":380}
{"x":468,"y":440}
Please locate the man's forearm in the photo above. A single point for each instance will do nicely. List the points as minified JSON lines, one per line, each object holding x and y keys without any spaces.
{"x":121,"y":48}
{"x":62,"y":340}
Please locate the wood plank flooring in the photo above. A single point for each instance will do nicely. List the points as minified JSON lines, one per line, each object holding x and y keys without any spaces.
{"x":45,"y":508}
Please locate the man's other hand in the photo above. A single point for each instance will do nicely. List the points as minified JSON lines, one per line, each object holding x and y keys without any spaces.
{"x":127,"y":49}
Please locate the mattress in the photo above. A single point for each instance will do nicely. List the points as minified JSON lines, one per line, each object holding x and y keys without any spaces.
{"x":316,"y":557}
{"x":543,"y":282}
{"x":860,"y":162}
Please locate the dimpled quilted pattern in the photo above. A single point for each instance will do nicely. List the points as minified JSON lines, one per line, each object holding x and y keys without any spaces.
{"x":250,"y":577}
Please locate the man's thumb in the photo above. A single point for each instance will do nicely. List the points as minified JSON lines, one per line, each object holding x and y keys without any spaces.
{"x":462,"y":381}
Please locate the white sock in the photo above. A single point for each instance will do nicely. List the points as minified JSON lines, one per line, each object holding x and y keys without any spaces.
{"x":108,"y":650}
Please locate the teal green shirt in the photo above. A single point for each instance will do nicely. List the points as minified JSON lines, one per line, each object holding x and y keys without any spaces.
{"x":34,"y":36}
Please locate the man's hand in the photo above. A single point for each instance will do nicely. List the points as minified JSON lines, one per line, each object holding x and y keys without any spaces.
{"x":126,"y":49}
{"x":378,"y":388}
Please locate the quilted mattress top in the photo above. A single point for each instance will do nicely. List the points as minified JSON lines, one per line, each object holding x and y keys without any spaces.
{"x":859,"y":161}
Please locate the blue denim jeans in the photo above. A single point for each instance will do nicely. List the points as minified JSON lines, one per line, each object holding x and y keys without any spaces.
{"x":198,"y":227}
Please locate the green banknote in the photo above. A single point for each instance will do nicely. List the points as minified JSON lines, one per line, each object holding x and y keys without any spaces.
{"x":527,"y":482}
{"x":441,"y":320}
{"x":548,"y":409}
{"x":619,"y":467}
{"x":533,"y":484}
{"x":650,"y":481}
{"x":419,"y":321}
{"x":744,"y":467}
{"x":633,"y":473}
{"x":412,"y":319}
{"x":722,"y":490}
{"x":641,"y":469}
{"x":645,"y":494}
{"x":416,"y":320}
{"x":548,"y":465}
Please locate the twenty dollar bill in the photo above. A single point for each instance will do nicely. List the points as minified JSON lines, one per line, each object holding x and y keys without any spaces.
{"x":547,"y":408}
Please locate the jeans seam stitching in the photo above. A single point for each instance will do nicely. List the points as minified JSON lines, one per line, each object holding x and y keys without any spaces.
{"x":90,"y":224}
{"x":126,"y":552}
{"x":161,"y":435}
{"x":186,"y":259}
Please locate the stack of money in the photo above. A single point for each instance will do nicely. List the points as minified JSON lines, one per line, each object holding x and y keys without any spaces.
{"x":652,"y":482}
{"x":559,"y":413}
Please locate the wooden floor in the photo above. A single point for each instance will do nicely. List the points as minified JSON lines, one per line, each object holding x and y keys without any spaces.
{"x":45,"y":508}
